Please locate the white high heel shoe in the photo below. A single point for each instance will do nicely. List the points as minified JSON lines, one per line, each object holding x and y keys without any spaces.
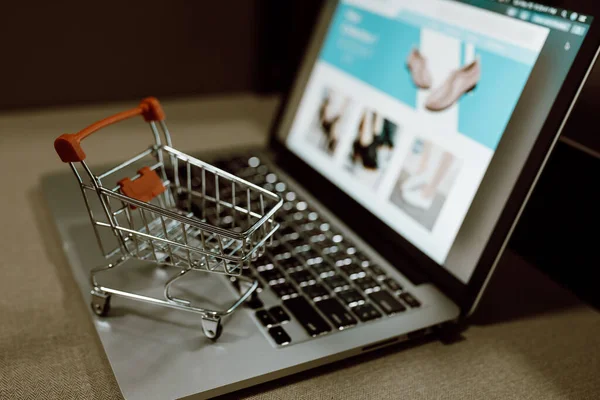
{"x":416,"y":199}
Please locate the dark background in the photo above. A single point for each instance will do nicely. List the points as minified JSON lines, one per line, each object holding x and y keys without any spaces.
{"x":64,"y":53}
{"x":68,"y":53}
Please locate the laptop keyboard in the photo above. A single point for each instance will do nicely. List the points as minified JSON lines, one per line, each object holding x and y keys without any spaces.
{"x":322,"y":280}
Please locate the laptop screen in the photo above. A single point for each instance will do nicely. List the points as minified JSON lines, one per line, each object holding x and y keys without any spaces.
{"x":407,"y":102}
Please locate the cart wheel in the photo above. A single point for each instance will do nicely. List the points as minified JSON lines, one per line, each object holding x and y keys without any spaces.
{"x":100,"y":305}
{"x":213,"y":335}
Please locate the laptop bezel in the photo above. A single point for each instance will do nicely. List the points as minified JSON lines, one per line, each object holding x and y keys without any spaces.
{"x":411,"y":261}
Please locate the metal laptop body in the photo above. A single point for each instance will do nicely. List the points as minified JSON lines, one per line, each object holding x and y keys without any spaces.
{"x":158,"y":353}
{"x":161,"y":353}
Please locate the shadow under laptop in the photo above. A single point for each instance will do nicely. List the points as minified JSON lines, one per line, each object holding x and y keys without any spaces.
{"x":501,"y":332}
{"x":519,"y":290}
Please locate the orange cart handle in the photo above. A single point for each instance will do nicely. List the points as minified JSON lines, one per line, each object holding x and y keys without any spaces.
{"x":68,"y":145}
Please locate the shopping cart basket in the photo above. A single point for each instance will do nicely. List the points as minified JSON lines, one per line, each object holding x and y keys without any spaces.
{"x":175,"y":210}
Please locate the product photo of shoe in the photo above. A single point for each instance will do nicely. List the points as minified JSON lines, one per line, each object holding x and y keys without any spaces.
{"x":416,"y":199}
{"x":367,"y":154}
{"x":417,"y":65}
{"x":386,"y":138}
{"x":458,"y":83}
{"x":414,"y":181}
{"x":331,"y":144}
{"x":328,"y":128}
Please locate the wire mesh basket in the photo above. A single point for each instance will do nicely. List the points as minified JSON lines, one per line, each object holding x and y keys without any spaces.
{"x":175,"y":210}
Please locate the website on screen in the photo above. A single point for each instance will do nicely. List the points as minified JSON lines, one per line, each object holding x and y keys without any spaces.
{"x":407,"y":104}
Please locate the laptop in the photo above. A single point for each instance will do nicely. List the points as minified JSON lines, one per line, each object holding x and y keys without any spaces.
{"x":404,"y":152}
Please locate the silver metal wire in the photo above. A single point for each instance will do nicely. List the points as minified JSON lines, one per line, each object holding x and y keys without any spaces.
{"x":205,"y":220}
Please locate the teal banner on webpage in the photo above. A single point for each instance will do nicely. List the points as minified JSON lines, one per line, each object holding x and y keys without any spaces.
{"x":374,"y":49}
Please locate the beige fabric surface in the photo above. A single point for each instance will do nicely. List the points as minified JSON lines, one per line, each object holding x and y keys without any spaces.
{"x":530,"y":339}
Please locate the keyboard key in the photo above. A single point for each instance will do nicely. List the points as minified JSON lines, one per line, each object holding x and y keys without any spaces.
{"x":306,"y":252}
{"x":257,"y":179}
{"x":341,"y":256}
{"x":262,"y":170}
{"x":387,"y":302}
{"x":248,"y":272}
{"x":316,"y":227}
{"x":299,"y":250}
{"x":343,"y":261}
{"x":254,"y":303}
{"x":291,"y":196}
{"x":304,"y":217}
{"x":351,"y":251}
{"x":299,"y":218}
{"x":261,"y":261}
{"x":271,"y":178}
{"x":377,"y":272}
{"x":367,"y":284}
{"x":280,"y":336}
{"x":300,"y":241}
{"x":324,"y":227}
{"x":314,"y":217}
{"x":282,"y":256}
{"x":272,"y":276}
{"x":315,"y":261}
{"x":336,"y":282}
{"x":265,"y":318}
{"x":286,"y":230}
{"x":277,"y":248}
{"x":410,"y":300}
{"x":336,"y":313}
{"x":301,"y":206}
{"x":290,"y":263}
{"x":284,"y":290}
{"x":337,"y":238}
{"x":279,"y":314}
{"x":303,"y":277}
{"x":321,"y":241}
{"x":316,"y":292}
{"x":363,"y":260}
{"x":316,"y":238}
{"x":308,"y":317}
{"x":293,"y":239}
{"x":351,"y":297}
{"x":393,"y":285}
{"x":310,"y":227}
{"x":366,"y":312}
{"x":327,"y":241}
{"x":323,"y":270}
{"x":353,"y":271}
{"x":331,"y":251}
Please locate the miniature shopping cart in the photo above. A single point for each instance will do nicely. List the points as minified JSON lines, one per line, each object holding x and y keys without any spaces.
{"x":171,"y":209}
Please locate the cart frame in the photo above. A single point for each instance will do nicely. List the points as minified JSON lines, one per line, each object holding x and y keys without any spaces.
{"x":208,"y":220}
